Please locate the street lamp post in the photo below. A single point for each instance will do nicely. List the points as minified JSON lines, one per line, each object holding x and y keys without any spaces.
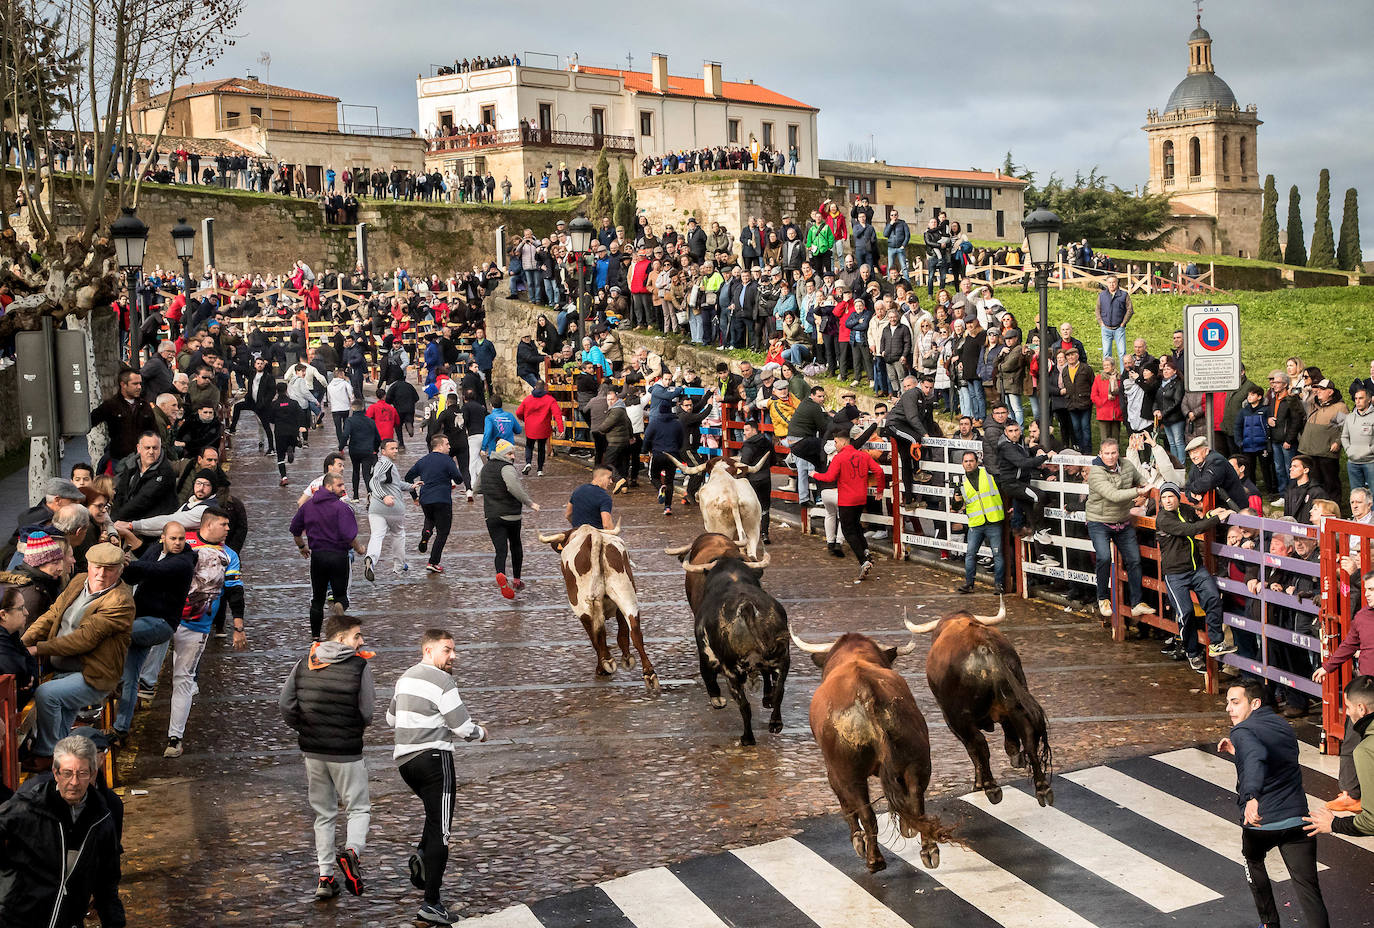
{"x":184,"y":238}
{"x":580,"y":237}
{"x":130,"y":237}
{"x":1041,"y":229}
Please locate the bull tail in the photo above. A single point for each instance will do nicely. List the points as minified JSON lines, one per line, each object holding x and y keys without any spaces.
{"x":1016,"y":693}
{"x":900,"y":785}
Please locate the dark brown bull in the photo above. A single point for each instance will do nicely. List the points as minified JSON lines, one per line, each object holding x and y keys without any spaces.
{"x":868,"y":724}
{"x":708,"y":547}
{"x":977,"y":679}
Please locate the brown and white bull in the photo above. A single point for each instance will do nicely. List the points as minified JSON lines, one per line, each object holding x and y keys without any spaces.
{"x":867,"y":723}
{"x":600,"y":581}
{"x":977,"y":679}
{"x":728,"y":503}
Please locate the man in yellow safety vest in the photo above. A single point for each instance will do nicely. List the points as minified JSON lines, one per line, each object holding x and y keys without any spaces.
{"x":982,"y":504}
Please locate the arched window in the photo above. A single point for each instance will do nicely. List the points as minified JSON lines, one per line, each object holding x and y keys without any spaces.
{"x":1168,"y":160}
{"x":1199,"y":246}
{"x":1194,"y":157}
{"x":1226,"y":156}
{"x":1242,"y":155}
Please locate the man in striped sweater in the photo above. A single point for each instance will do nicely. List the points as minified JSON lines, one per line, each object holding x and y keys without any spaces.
{"x":428,"y":715}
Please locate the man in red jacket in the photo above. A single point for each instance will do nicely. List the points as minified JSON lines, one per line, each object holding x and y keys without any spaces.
{"x":384,"y":415}
{"x":538,"y":411}
{"x":850,"y":469}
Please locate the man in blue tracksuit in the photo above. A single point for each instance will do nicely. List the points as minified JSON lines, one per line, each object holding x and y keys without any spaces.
{"x":1269,"y":790}
{"x":436,"y":473}
{"x":434,"y":359}
{"x":500,"y":424}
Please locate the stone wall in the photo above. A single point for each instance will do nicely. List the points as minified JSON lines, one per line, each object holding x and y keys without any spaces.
{"x":729,"y":197}
{"x":263,"y":233}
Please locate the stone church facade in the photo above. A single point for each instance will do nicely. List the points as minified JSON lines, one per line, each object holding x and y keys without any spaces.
{"x":1203,"y":154}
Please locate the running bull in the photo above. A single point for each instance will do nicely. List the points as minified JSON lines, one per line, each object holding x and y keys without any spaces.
{"x":741,"y":632}
{"x":977,"y":679}
{"x":727,"y":500}
{"x":600,"y":581}
{"x":867,"y":724}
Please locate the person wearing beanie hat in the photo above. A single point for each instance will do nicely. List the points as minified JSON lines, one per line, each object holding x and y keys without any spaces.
{"x":503,"y":498}
{"x":57,"y":492}
{"x":40,"y":549}
{"x":100,"y":607}
{"x":39,"y":582}
{"x":1185,"y":572}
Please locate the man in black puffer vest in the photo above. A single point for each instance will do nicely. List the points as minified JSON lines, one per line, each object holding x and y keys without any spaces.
{"x":328,"y":699}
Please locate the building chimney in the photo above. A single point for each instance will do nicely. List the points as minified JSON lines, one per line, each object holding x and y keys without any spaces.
{"x":711,"y":82}
{"x":141,"y":88}
{"x":659,"y":69}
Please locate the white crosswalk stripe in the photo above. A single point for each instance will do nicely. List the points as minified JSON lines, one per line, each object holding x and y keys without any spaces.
{"x":1313,"y":759}
{"x":1136,"y":873}
{"x":1022,"y":865}
{"x":1221,"y":772}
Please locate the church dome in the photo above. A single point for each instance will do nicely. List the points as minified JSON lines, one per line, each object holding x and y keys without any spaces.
{"x":1200,"y":34}
{"x":1200,"y":89}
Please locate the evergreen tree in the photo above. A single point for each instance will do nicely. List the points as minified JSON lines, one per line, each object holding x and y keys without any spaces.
{"x":1323,"y":241}
{"x":1269,"y":225}
{"x":1348,"y":252}
{"x":624,"y":210}
{"x":1296,"y":251}
{"x":601,"y":191}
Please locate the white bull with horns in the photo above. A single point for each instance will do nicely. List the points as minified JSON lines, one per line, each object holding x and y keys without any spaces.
{"x":600,"y":581}
{"x":728,"y":503}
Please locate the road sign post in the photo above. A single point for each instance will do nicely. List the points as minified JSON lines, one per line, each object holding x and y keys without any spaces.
{"x":1211,"y":359}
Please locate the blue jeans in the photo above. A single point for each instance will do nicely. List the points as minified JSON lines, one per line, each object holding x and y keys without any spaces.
{"x":898,"y":255}
{"x":56,"y":703}
{"x":1116,"y":336}
{"x":1176,"y":441}
{"x":533,"y":281}
{"x":515,"y":285}
{"x":1082,"y":429}
{"x":696,"y":324}
{"x":934,"y":266}
{"x":1013,"y":401}
{"x":1035,"y":407}
{"x":148,"y":630}
{"x":1103,"y":536}
{"x":880,"y":381}
{"x":991,"y":532}
{"x":1282,"y":458}
{"x":152,"y":665}
{"x":797,"y":355}
{"x":1208,"y":597}
{"x":551,"y":291}
{"x":1361,"y":475}
{"x":804,"y":471}
{"x":972,"y":400}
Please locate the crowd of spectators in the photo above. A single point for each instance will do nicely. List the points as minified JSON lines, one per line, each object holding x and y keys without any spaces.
{"x":479,"y":63}
{"x":751,"y":157}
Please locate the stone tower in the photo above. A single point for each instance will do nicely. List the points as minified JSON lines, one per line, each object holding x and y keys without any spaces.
{"x":1203,"y":154}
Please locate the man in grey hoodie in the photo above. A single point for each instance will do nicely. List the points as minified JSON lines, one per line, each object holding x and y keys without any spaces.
{"x":386,"y":511}
{"x":503,"y":498}
{"x":328,"y":699}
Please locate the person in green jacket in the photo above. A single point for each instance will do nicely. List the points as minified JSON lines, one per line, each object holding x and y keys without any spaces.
{"x":820,"y":241}
{"x":1359,"y":709}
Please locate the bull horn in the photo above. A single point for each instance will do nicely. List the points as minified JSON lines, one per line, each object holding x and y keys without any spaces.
{"x":612,"y":531}
{"x":678,"y":551}
{"x":557,"y":538}
{"x":700,"y":568}
{"x":757,"y":465}
{"x":807,"y":646}
{"x":923,"y":628}
{"x":761,"y":563}
{"x":684,"y":468}
{"x":994,"y":619}
{"x":910,"y":645}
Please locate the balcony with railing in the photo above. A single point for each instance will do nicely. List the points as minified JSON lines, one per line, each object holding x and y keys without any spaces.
{"x":477,"y":141}
{"x":287,"y":124}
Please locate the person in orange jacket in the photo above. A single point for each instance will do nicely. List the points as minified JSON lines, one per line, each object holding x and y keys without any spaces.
{"x":538,"y":411}
{"x":850,"y":469}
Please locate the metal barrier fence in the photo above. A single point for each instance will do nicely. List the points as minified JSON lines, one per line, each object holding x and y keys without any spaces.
{"x":1068,"y":556}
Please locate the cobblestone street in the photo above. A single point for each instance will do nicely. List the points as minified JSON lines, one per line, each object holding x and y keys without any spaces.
{"x":582,"y":780}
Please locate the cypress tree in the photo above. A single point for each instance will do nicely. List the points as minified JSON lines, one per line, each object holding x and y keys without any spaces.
{"x":1269,"y":225}
{"x":624,"y":206}
{"x":1348,"y":252}
{"x":601,"y":191}
{"x":1323,"y":241}
{"x":1296,"y":251}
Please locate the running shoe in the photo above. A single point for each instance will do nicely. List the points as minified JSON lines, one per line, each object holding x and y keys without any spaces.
{"x":1198,"y":663}
{"x":326,"y":889}
{"x":864,"y":570}
{"x":368,"y":572}
{"x":1221,"y":650}
{"x":517,"y":583}
{"x":506,"y":589}
{"x":173,"y":749}
{"x":417,"y":871}
{"x":434,"y":568}
{"x":353,"y":876}
{"x":435,"y":914}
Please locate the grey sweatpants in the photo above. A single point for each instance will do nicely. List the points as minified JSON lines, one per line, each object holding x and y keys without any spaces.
{"x":328,"y":783}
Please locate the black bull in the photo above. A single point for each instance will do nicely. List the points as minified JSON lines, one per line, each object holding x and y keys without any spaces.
{"x":741,"y":632}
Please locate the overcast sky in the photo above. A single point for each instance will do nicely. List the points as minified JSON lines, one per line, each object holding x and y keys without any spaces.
{"x":1064,"y":85}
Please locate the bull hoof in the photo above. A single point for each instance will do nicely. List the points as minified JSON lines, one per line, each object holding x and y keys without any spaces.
{"x":875,"y":865}
{"x":746,"y":740}
{"x":930,"y":856}
{"x":717,"y":702}
{"x":994,"y":794}
{"x":626,"y":661}
{"x":857,"y":839}
{"x":605,"y":668}
{"x":651,"y":687}
{"x":767,"y":701}
{"x":1046,"y":797}
{"x":775,"y":727}
{"x":1018,"y":760}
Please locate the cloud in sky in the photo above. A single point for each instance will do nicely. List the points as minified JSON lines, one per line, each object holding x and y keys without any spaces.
{"x":1064,"y":86}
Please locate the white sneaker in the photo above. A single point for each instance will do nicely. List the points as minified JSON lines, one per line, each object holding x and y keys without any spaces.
{"x":1047,"y":561}
{"x":525,"y":472}
{"x":540,"y":474}
{"x":1142,"y":608}
{"x":1104,"y":606}
{"x":469,"y":496}
{"x":1042,"y":537}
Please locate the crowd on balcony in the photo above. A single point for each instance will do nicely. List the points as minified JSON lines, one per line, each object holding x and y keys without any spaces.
{"x":723,"y":158}
{"x":468,"y":65}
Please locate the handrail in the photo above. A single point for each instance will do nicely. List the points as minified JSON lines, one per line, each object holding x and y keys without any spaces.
{"x":524,"y":135}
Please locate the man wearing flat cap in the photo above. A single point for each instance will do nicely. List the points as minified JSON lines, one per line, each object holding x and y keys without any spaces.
{"x":83,"y":637}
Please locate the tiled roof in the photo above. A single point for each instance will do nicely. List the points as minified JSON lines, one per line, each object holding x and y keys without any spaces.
{"x":733,"y":91}
{"x":897,"y":170}
{"x":236,"y":85}
{"x":203,"y":147}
